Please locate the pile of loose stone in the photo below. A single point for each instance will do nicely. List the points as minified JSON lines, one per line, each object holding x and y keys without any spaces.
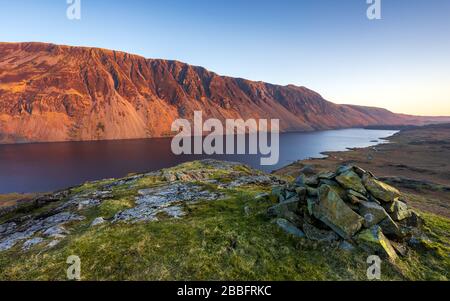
{"x":349,"y":207}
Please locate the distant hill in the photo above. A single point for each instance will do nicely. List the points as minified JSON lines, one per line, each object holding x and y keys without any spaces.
{"x":61,"y":93}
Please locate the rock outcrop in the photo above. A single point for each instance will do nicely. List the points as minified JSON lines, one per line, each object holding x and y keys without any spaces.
{"x":349,"y":205}
{"x":50,"y":219}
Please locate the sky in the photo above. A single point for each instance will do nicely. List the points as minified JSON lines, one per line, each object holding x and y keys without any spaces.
{"x":400,"y":62}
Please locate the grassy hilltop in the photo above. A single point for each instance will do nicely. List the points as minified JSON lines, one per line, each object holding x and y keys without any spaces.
{"x":221,"y":231}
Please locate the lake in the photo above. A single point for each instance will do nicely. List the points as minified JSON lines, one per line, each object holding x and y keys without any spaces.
{"x":45,"y":167}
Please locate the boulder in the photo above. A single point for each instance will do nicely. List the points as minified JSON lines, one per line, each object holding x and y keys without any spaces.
{"x":372,"y":213}
{"x":284,"y":206}
{"x":336,"y":187}
{"x":301,"y":193}
{"x":398,"y":210}
{"x":373,"y":241}
{"x":332,"y":211}
{"x":290,"y":195}
{"x":286,"y":210}
{"x":307,"y":170}
{"x":315,"y":234}
{"x":353,"y":199}
{"x":343,"y":168}
{"x":277,"y":193}
{"x":350,"y":180}
{"x":359,"y":171}
{"x":312,"y":181}
{"x":390,"y":228}
{"x":303,"y":180}
{"x":312,"y":192}
{"x":380,"y":190}
{"x":326,"y":175}
{"x":357,"y":195}
{"x":300,"y":181}
{"x":289,"y":228}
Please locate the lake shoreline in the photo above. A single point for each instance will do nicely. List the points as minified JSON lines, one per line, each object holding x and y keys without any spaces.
{"x":53,"y":166}
{"x":390,"y":168}
{"x":13,"y":198}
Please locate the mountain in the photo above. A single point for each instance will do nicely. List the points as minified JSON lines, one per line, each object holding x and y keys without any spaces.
{"x":58,"y":93}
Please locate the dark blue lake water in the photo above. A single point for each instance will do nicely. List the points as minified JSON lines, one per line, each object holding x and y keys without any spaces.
{"x":52,"y":166}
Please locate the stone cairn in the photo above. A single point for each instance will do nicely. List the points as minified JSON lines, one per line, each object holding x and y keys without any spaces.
{"x":349,"y":207}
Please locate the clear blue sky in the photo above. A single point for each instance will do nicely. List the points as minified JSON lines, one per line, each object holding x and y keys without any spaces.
{"x":401,"y":62}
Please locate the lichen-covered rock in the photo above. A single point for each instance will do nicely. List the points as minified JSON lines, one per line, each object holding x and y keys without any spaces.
{"x":357,"y":195}
{"x":399,"y":210}
{"x":282,"y":209}
{"x":86,"y":204}
{"x":277,"y":193}
{"x":303,"y":180}
{"x":32,"y":242}
{"x":312,"y":192}
{"x":390,"y":228}
{"x":328,"y":175}
{"x":332,"y":211}
{"x":380,"y":190}
{"x":164,"y":200}
{"x":37,"y":225}
{"x":57,"y":231}
{"x":344,"y":168}
{"x":350,"y":180}
{"x":372,"y":213}
{"x":359,"y":171}
{"x":307,"y":170}
{"x":7,"y":228}
{"x":373,"y":241}
{"x":302,"y":193}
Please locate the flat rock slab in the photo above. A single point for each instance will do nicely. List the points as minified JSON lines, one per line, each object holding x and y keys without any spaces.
{"x":380,"y":190}
{"x":332,"y":211}
{"x":350,"y":180}
{"x":39,"y":225}
{"x":373,"y":241}
{"x":289,"y":228}
{"x":164,"y":200}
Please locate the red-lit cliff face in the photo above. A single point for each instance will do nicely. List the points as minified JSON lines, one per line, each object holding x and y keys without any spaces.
{"x":59,"y":93}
